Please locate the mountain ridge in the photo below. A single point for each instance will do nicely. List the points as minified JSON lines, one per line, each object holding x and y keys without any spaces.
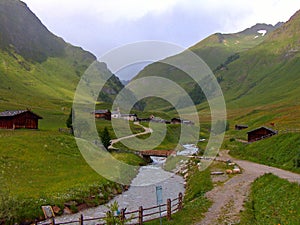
{"x":39,"y":69}
{"x":260,"y":84}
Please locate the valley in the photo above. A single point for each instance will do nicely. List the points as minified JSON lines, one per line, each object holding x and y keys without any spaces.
{"x":257,"y":70}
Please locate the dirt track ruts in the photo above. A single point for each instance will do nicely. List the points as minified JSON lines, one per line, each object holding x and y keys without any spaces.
{"x":228,"y":199}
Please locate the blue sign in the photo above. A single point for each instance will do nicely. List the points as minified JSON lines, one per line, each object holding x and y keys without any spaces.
{"x":159,"y":198}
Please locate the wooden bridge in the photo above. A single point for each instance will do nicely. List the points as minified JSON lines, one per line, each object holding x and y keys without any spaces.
{"x":159,"y":153}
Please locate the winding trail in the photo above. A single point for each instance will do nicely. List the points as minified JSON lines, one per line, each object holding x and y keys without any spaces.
{"x":147,"y":131}
{"x":228,"y":199}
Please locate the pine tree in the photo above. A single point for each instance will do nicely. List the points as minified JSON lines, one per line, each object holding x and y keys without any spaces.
{"x":69,"y":121}
{"x":105,"y":138}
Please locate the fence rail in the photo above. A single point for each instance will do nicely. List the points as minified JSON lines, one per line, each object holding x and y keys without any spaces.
{"x":136,"y":217}
{"x":290,"y":130}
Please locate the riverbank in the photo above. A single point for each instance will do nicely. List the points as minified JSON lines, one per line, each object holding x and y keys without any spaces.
{"x":142,"y":192}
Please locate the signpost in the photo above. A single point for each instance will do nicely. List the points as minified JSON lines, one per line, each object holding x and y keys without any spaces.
{"x":48,"y":212}
{"x":159,"y":200}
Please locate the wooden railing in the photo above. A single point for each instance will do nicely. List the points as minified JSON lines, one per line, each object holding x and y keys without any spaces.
{"x":137,"y":217}
{"x":289,"y":130}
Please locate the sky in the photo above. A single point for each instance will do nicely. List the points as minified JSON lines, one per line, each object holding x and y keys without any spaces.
{"x":101,"y":25}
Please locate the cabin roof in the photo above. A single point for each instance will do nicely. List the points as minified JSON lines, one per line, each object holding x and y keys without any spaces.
{"x":99,"y":111}
{"x":11,"y":113}
{"x":263,"y":127}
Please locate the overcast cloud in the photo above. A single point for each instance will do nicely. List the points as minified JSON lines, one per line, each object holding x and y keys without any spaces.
{"x":100,"y":25}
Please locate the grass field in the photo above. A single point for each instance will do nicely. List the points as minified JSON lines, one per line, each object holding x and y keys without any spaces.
{"x":279,"y":151}
{"x":272,"y":201}
{"x":39,"y":167}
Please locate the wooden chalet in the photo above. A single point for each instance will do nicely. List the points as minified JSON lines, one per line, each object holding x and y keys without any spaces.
{"x":102,"y":114}
{"x":180,"y":121}
{"x":19,"y":119}
{"x":175,"y":121}
{"x":260,"y":133}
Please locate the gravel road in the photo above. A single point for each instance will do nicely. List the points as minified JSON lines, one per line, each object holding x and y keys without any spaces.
{"x":228,"y":199}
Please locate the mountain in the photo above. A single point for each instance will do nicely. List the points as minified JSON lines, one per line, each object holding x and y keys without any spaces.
{"x":39,"y":70}
{"x":260,"y":79}
{"x":265,"y":79}
{"x":216,"y":48}
{"x":217,"y":51}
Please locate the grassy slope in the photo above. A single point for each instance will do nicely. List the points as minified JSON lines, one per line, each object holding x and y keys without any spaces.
{"x":272,"y":201}
{"x":279,"y":151}
{"x":46,"y":169}
{"x":215,"y":49}
{"x":264,"y":81}
{"x":44,"y":166}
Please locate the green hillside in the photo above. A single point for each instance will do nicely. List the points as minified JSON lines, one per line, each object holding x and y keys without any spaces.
{"x":38,"y":70}
{"x":259,"y":76}
{"x":265,"y":79}
{"x":279,"y":151}
{"x":272,"y":201}
{"x":217,"y":51}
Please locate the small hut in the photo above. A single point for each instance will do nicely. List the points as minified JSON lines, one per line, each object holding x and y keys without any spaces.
{"x":102,"y":114}
{"x":19,"y":119}
{"x":260,"y":133}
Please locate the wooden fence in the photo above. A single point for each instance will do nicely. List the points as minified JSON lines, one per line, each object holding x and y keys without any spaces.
{"x":290,"y":130}
{"x":137,"y":217}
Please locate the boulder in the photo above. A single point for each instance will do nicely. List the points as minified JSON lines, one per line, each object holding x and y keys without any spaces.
{"x":67,"y":211}
{"x":56,"y":209}
{"x":186,"y":176}
{"x":236,"y":170}
{"x":229,"y":171}
{"x":82,"y":206}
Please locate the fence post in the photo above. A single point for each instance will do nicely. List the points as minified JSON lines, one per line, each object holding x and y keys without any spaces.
{"x":180,"y":201}
{"x":52,"y":221}
{"x":141,"y":215}
{"x":81,"y":219}
{"x":169,"y":211}
{"x":122,"y":215}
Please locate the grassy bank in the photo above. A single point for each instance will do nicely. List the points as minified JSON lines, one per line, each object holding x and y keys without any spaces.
{"x":272,"y":201}
{"x":45,"y":167}
{"x":279,"y":151}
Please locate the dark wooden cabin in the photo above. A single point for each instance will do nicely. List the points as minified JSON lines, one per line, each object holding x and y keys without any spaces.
{"x":260,"y":133}
{"x":176,"y":121}
{"x":102,"y":114}
{"x":19,"y":119}
{"x":180,"y":121}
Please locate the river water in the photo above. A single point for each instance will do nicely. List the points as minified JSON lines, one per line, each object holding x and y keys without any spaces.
{"x":142,"y":192}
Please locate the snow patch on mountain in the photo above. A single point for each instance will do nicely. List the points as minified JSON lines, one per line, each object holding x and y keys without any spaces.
{"x":262,"y":32}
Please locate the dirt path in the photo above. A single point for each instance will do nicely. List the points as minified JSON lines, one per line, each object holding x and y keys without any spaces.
{"x":147,"y":131}
{"x":228,"y":199}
